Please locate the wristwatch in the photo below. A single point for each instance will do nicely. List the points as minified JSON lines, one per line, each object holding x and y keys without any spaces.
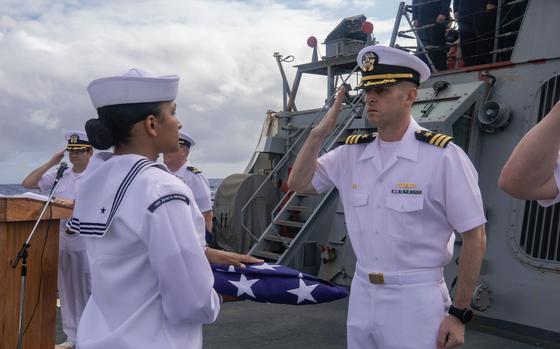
{"x":464,"y":315}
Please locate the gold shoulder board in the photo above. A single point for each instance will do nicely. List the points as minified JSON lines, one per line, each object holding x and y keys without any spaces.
{"x":358,"y":139}
{"x":437,"y":139}
{"x":194,"y":170}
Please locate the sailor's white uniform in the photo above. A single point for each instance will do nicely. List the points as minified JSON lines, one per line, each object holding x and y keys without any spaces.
{"x":73,"y":271}
{"x":198,"y":183}
{"x":151,"y":282}
{"x":400,"y":218}
{"x":556,"y":200}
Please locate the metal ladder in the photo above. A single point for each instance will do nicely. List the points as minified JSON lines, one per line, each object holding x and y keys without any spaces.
{"x":295,"y":212}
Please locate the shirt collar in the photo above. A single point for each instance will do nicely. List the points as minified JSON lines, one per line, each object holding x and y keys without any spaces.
{"x":408,"y":147}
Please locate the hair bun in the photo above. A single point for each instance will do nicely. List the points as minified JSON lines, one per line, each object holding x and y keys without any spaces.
{"x":99,"y":135}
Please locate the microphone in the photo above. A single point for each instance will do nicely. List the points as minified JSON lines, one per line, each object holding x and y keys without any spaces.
{"x":63,"y":166}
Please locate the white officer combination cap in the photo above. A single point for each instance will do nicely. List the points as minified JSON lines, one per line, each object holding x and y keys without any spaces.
{"x":186,"y":140}
{"x":134,"y":86}
{"x":385,"y":66}
{"x":77,"y":140}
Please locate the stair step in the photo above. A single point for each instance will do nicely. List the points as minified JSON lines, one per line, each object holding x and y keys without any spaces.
{"x":299,"y":208}
{"x":287,"y":223}
{"x":268,"y":255}
{"x":276,"y":238}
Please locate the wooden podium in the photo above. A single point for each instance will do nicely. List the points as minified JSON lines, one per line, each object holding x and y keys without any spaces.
{"x":17,"y":218}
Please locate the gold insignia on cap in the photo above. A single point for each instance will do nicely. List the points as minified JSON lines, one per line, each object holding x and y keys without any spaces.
{"x":73,"y":139}
{"x":368,"y":61}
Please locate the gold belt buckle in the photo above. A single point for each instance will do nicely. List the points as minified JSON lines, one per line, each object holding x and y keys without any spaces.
{"x":376,"y":278}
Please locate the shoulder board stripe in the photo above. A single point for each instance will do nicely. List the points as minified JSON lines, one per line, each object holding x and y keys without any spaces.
{"x":358,"y":139}
{"x":437,"y":139}
{"x":194,"y":169}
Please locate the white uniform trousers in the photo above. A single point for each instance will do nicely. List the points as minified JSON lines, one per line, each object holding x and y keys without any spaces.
{"x":74,"y":285}
{"x":405,"y":312}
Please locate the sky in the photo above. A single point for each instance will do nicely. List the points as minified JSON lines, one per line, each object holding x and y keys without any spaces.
{"x":222,"y":50}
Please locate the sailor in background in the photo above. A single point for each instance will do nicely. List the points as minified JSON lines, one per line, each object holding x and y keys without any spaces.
{"x":177,"y":163}
{"x":151,"y":282}
{"x":404,"y":192}
{"x":533,"y":169}
{"x":436,"y":14}
{"x":73,"y":271}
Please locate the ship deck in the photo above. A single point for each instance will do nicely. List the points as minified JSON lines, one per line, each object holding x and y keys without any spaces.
{"x":243,"y":325}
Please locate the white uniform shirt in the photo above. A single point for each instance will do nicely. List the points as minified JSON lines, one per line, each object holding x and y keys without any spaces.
{"x":67,"y":188}
{"x":546,"y":203}
{"x":198,"y":183}
{"x":401,"y":216}
{"x":152,"y":286}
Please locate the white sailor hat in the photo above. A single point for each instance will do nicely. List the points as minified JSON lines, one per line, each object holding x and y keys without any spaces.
{"x":186,"y":140}
{"x":134,"y":86}
{"x":384,"y":66}
{"x":77,"y":140}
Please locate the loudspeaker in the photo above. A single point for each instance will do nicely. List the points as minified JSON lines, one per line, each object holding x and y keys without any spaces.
{"x":494,"y":114}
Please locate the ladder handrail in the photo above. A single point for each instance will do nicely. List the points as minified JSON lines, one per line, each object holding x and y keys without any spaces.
{"x":286,"y":156}
{"x":307,"y":223}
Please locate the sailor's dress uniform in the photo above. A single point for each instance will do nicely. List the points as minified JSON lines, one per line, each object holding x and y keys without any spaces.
{"x":400,"y":219}
{"x":151,"y":282}
{"x":198,"y":183}
{"x":73,"y":271}
{"x":547,"y":203}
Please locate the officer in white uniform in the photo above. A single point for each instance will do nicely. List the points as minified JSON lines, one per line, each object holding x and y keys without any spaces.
{"x":404,"y":191}
{"x":533,"y":169}
{"x":178,"y":164}
{"x":73,"y":271}
{"x":151,"y":282}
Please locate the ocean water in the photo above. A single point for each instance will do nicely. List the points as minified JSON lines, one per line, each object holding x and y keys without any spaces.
{"x":15,"y":189}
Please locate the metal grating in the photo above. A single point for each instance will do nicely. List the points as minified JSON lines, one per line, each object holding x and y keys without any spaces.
{"x":540,"y":233}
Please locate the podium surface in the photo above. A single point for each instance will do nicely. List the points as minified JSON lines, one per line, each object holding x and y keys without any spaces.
{"x":17,"y":218}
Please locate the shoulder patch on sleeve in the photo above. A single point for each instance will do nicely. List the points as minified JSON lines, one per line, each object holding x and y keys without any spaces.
{"x":162,"y":200}
{"x":358,"y":139}
{"x":437,"y":139}
{"x":194,"y":169}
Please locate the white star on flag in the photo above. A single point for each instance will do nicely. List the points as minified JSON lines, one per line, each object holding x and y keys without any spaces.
{"x":231,"y":269}
{"x":265,"y":266}
{"x":244,"y":286}
{"x":303,"y":292}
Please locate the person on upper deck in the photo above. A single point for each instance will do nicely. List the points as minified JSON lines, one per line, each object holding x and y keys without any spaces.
{"x":533,"y":170}
{"x":404,"y":192}
{"x":477,"y":21}
{"x":435,"y":13}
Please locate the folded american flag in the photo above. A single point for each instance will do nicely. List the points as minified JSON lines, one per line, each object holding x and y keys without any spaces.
{"x":273,"y":283}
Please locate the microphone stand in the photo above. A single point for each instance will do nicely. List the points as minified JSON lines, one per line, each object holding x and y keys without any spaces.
{"x":22,"y":254}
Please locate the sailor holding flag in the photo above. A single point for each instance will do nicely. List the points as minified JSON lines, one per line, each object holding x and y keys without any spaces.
{"x":151,"y":282}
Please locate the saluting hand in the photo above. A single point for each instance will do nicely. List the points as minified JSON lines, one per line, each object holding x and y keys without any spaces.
{"x":327,"y":125}
{"x":57,"y":157}
{"x":451,"y":333}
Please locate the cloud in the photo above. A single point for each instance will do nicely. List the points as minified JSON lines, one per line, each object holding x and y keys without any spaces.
{"x":50,"y":50}
{"x":43,"y":118}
